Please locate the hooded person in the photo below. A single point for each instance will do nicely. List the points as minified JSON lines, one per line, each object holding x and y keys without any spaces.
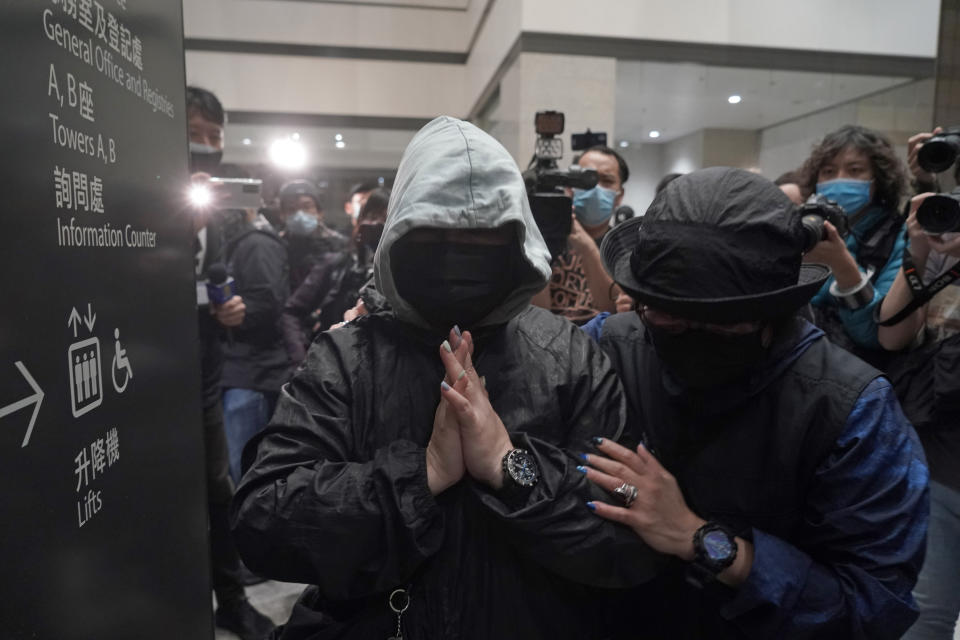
{"x":427,"y":487}
{"x":776,"y":468}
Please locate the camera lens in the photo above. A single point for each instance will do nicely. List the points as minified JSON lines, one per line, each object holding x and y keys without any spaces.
{"x":813,"y":231}
{"x":939,"y":153}
{"x":939,"y":214}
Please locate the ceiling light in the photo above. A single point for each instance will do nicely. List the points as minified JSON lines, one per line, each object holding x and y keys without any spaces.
{"x":247,"y":141}
{"x":338,"y":137}
{"x":341,"y":144}
{"x":654,"y":134}
{"x":295,"y":135}
{"x":734,"y":99}
{"x":288,"y":154}
{"x":624,"y":144}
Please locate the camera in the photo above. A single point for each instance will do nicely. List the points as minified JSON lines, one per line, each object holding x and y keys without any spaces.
{"x":545,"y":182}
{"x":814,"y":213}
{"x":940,"y":152}
{"x":226,"y":193}
{"x":940,"y":213}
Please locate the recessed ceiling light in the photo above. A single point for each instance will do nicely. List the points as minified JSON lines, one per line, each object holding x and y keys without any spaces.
{"x":624,"y":144}
{"x":654,"y":134}
{"x":338,"y":137}
{"x":734,"y":99}
{"x":247,"y":141}
{"x":341,"y":144}
{"x":295,"y":136}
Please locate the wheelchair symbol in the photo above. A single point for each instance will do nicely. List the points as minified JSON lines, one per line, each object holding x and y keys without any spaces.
{"x":119,"y":364}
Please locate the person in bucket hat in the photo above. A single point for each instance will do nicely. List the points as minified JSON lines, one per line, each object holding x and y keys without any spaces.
{"x":777,"y":469}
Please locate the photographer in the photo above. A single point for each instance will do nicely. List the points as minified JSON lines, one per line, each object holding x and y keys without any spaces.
{"x":205,"y":119}
{"x":579,"y":286}
{"x":333,"y":285}
{"x":858,"y":169}
{"x":930,"y":393}
{"x":307,"y":237}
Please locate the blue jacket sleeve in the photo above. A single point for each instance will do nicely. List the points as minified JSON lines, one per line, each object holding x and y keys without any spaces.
{"x":859,"y":323}
{"x":862,"y":542}
{"x":594,"y":328}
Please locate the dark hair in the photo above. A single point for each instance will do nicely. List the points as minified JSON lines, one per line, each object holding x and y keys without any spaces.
{"x":665,"y":180}
{"x":790,"y":177}
{"x":889,"y":176}
{"x":376,"y":205}
{"x":361,"y":187}
{"x":794,"y":177}
{"x":622,"y":167}
{"x":206,"y":104}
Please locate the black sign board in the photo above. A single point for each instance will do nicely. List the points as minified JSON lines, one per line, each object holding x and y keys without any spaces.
{"x":103,"y":518}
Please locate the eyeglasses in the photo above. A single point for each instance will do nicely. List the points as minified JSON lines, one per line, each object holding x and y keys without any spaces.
{"x":674,"y":325}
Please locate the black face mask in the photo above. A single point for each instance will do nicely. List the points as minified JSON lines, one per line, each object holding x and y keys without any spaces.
{"x":204,"y":158}
{"x":368,"y":235}
{"x":453,"y":283}
{"x":701,"y":359}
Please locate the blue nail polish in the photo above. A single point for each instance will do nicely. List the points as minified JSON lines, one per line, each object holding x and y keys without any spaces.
{"x":584,"y":457}
{"x":591,"y":506}
{"x":444,"y":386}
{"x":582,"y":469}
{"x":456,"y":332}
{"x":596,"y":441}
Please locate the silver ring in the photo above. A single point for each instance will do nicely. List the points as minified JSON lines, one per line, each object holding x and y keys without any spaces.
{"x":627,"y":492}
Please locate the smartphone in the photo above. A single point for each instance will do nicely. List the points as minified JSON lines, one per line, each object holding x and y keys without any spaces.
{"x":238,"y":193}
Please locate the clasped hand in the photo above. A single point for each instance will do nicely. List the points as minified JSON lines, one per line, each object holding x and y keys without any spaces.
{"x":468,"y":436}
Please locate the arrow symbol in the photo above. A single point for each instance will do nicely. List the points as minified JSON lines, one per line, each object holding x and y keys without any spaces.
{"x":37,"y":398}
{"x":90,"y":318}
{"x":74,"y":320}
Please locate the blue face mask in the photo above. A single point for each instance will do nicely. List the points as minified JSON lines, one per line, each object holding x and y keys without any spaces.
{"x":301,"y":224}
{"x":593,"y":206}
{"x":852,"y":195}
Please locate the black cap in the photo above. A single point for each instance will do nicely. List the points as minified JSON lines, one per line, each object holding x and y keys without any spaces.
{"x":717,"y":245}
{"x":296,"y":188}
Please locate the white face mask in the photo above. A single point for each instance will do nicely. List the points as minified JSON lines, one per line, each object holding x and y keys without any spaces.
{"x":357,"y":206}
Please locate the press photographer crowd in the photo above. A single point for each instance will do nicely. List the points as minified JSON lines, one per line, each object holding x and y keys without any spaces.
{"x":488,"y":402}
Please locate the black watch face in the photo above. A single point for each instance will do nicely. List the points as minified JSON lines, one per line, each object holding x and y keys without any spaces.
{"x":717,"y":545}
{"x":522,"y":468}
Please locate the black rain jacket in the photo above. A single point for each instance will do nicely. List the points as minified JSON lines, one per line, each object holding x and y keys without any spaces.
{"x":336,"y":491}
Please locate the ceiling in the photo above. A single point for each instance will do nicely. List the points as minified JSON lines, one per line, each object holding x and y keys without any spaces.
{"x":677,"y":99}
{"x":363,"y":148}
{"x":459,"y":5}
{"x":673,"y":98}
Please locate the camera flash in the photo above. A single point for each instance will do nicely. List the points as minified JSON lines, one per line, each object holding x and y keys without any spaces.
{"x":200,"y":195}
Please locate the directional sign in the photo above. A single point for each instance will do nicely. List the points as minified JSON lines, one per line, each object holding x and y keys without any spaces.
{"x":103,"y":521}
{"x":36,"y":399}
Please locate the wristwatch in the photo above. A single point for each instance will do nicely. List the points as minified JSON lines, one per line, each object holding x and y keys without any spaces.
{"x":714,"y":549}
{"x":520,"y":468}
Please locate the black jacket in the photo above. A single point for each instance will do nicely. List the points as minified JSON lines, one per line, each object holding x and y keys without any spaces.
{"x":332,"y":287}
{"x":254,"y":353}
{"x":211,"y":353}
{"x":336,"y":492}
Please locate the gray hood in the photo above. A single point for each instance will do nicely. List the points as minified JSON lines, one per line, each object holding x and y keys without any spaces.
{"x":455,"y":176}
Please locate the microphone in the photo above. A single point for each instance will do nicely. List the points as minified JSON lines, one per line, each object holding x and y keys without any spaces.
{"x":220,"y":286}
